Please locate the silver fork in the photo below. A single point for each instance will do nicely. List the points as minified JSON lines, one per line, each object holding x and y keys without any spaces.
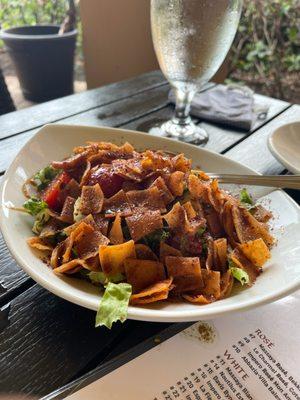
{"x":279,"y":181}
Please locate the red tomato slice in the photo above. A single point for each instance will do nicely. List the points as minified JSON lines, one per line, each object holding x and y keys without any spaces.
{"x":109,"y":182}
{"x":51,"y":194}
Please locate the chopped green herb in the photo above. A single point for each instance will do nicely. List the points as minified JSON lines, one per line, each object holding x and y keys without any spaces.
{"x":204,"y":245}
{"x":153,"y":239}
{"x":33,"y":206}
{"x":74,"y":252}
{"x":238,"y":273}
{"x":245,"y":198}
{"x":200,"y":231}
{"x":60,"y":236}
{"x":45,"y":176}
{"x":114,"y":304}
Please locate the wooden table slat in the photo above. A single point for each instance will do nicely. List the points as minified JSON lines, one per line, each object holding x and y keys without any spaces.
{"x":12,"y":276}
{"x":51,"y":111}
{"x":47,"y":341}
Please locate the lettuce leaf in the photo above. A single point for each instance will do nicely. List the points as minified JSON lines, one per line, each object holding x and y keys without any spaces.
{"x":114,"y":304}
{"x":45,"y":176}
{"x":238,"y":273}
{"x":39,"y":209}
{"x":100,"y":277}
{"x":33,"y":206}
{"x":41,"y":218}
{"x":246,"y":199}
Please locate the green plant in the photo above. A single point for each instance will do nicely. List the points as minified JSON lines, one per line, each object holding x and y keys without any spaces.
{"x":31,"y":12}
{"x":267,"y":45}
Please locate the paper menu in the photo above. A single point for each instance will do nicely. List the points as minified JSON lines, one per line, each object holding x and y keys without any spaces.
{"x":250,"y":355}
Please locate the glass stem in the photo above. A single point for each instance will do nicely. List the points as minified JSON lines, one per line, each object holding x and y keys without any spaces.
{"x":183,"y":106}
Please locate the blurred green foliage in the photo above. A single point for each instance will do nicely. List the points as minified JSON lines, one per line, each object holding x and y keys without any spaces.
{"x":31,"y":12}
{"x":267,"y":44}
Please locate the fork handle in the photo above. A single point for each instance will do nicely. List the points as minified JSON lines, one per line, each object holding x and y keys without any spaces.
{"x":280,"y":181}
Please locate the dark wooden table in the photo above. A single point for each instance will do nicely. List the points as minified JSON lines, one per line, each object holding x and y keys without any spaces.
{"x":46,"y":342}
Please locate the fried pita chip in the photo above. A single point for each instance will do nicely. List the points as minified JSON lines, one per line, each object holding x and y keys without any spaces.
{"x":81,"y":230}
{"x":143,"y":222}
{"x":150,"y":198}
{"x":166,"y":250}
{"x":71,"y":267}
{"x":116,"y":234}
{"x":211,"y":284}
{"x":156,"y":292}
{"x":87,"y":220}
{"x":261,"y":214}
{"x":197,"y":188}
{"x":248,"y":228}
{"x":226,"y":284}
{"x":37,"y":243}
{"x":181,"y":163}
{"x":112,"y":257}
{"x":93,"y":264}
{"x":228,"y":224}
{"x":71,"y":163}
{"x":144,"y":252}
{"x":87,"y":244}
{"x":189,"y":209}
{"x":220,"y":254}
{"x":177,"y":218}
{"x":256,"y":251}
{"x":92,"y":199}
{"x":176,"y":183}
{"x":86,"y":174}
{"x":57,"y":254}
{"x":143,"y":273}
{"x":66,"y":214}
{"x":118,"y":203}
{"x":100,"y":223}
{"x":51,"y":228}
{"x":196,"y":298}
{"x":166,"y":195}
{"x":213,"y":221}
{"x":186,"y":273}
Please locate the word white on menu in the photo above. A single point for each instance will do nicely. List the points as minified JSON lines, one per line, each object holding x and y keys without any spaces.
{"x":253,"y":355}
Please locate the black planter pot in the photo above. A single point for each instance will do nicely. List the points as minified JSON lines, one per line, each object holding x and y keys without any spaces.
{"x":44,"y":60}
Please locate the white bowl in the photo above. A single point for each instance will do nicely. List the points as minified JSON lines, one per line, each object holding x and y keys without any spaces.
{"x":53,"y":142}
{"x":284,"y":144}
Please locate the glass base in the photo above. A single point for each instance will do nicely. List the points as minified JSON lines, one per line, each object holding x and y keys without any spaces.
{"x":189,"y":133}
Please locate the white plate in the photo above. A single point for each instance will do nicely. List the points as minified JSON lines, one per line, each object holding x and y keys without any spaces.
{"x":54,"y":142}
{"x":284,"y":144}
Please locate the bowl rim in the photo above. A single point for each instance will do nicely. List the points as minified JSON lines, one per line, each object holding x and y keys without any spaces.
{"x":274,"y":150}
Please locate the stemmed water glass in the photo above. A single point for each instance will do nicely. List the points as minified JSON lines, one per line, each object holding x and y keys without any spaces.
{"x":191,"y":39}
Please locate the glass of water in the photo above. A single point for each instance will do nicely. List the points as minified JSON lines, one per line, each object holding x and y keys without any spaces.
{"x":191,"y":39}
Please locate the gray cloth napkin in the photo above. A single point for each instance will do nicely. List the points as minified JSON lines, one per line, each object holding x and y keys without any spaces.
{"x":228,"y":105}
